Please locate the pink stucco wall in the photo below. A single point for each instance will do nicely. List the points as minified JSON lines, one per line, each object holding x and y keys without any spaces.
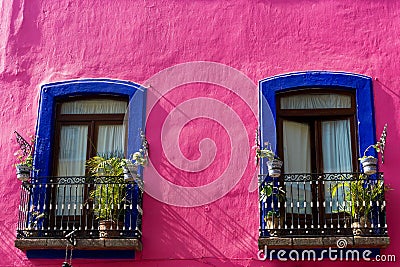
{"x":47,"y":41}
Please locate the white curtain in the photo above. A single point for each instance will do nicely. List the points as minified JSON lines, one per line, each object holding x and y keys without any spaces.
{"x":315,"y":101}
{"x":71,"y":162}
{"x":95,"y":106}
{"x":337,"y":158}
{"x":297,"y":155}
{"x":110,"y":140}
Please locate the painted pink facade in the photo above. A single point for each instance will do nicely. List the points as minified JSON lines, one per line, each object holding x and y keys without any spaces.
{"x":50,"y":41}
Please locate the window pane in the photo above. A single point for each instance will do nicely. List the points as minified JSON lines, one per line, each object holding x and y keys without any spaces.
{"x":315,"y":101}
{"x":297,"y":154}
{"x":71,"y":162}
{"x":337,"y":158}
{"x":111,"y":140}
{"x":336,"y":146}
{"x":96,"y":106}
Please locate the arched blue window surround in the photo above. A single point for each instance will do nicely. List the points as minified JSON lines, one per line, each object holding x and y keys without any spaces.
{"x":50,"y":93}
{"x":362,"y":85}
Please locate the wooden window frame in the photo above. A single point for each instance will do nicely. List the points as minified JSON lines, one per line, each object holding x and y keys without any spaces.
{"x":314,"y":117}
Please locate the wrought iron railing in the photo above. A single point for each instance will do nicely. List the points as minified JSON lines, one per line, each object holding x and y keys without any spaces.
{"x":330,"y":204}
{"x":92,"y":207}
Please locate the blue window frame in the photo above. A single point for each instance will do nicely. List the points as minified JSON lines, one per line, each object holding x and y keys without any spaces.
{"x":362,"y":85}
{"x":50,"y":93}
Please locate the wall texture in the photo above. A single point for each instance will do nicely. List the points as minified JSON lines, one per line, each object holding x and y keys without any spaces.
{"x":46,"y":41}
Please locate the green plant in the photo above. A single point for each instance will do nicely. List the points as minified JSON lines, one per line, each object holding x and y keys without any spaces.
{"x":359,"y":194}
{"x":25,"y":153}
{"x":378,"y":146}
{"x":110,"y":189}
{"x":265,"y":152}
{"x":268,"y":189}
{"x":273,"y":214}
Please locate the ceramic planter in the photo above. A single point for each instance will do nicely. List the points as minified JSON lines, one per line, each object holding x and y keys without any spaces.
{"x":369,"y":165}
{"x":274,"y":168}
{"x":23,"y":172}
{"x":109,"y":228}
{"x":273,"y":224}
{"x":360,"y":227}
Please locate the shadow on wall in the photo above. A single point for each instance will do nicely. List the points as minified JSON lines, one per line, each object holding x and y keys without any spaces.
{"x":201,"y":233}
{"x":387,"y":112}
{"x":9,"y":255}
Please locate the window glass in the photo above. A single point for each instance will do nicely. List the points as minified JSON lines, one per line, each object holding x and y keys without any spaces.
{"x":316,"y":101}
{"x":95,"y":106}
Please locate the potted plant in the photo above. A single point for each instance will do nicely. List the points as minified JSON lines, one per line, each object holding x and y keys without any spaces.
{"x":109,"y":193}
{"x":24,"y":155}
{"x":139,"y":158}
{"x":274,"y":164}
{"x":130,"y":166}
{"x":273,"y":219}
{"x":359,"y":195}
{"x":369,"y":162}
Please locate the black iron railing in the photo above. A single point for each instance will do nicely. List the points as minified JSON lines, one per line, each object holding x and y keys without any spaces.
{"x":92,"y":207}
{"x":330,"y":204}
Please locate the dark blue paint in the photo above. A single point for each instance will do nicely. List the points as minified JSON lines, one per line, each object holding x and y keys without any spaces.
{"x":80,"y":254}
{"x":362,"y":85}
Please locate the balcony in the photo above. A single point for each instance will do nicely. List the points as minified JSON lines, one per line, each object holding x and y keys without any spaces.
{"x":315,"y":210}
{"x":96,"y":213}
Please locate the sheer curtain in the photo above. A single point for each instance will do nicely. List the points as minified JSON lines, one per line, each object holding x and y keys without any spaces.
{"x":337,"y":158}
{"x":111,"y":140}
{"x":316,"y":101}
{"x":94,"y":106}
{"x":297,"y":155}
{"x":71,"y":162}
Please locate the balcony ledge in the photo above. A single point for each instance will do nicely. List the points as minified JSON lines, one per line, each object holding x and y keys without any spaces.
{"x":322,"y":242}
{"x":82,"y":244}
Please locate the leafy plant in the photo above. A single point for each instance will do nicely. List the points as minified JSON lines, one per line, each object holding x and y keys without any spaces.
{"x":359,"y":194}
{"x":25,"y":153}
{"x":268,"y":189}
{"x":110,"y":189}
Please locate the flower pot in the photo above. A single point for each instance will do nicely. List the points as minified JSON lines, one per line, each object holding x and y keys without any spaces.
{"x":130,"y":171}
{"x":23,"y":172}
{"x":109,"y":228}
{"x":369,"y":165}
{"x":274,"y":167}
{"x":360,"y":226}
{"x":273,"y":224}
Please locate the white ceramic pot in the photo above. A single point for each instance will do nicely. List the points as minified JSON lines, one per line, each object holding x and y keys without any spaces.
{"x":274,"y":167}
{"x":369,"y":165}
{"x":23,"y":172}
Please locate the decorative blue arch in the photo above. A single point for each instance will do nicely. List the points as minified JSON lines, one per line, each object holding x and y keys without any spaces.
{"x":50,"y":93}
{"x":362,"y":85}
